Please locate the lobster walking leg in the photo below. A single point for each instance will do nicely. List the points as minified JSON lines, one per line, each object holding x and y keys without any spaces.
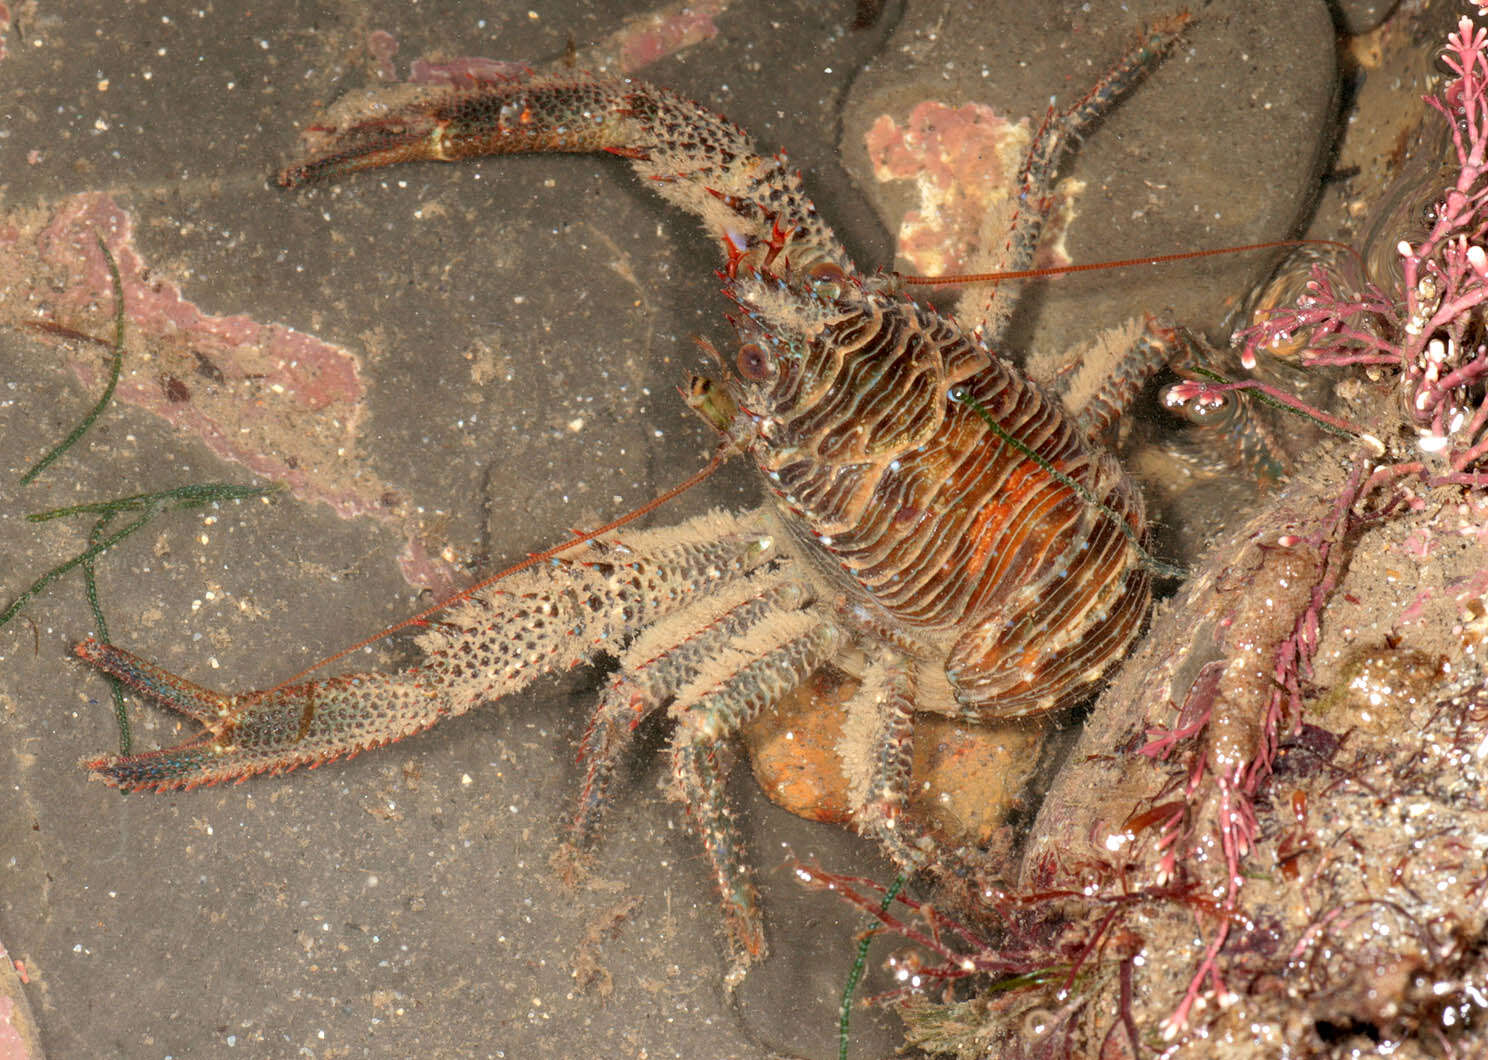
{"x":661,"y":662}
{"x":1059,"y":132}
{"x":878,"y":752}
{"x":714,"y":708}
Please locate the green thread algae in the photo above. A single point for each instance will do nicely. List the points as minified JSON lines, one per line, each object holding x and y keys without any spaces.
{"x":116,"y":365}
{"x":1161,"y":568}
{"x":116,"y":687}
{"x":844,"y":1014}
{"x":147,"y":505}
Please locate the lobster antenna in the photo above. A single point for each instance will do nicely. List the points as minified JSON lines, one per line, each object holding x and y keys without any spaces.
{"x":1091,"y":266}
{"x":580,"y":537}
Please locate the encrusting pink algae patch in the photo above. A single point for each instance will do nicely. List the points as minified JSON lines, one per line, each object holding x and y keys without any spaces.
{"x":637,"y":43}
{"x":665,"y":31}
{"x":964,"y":162}
{"x":281,"y":402}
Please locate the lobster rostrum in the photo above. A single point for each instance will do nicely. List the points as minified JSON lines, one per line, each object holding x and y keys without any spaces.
{"x":943,"y":529}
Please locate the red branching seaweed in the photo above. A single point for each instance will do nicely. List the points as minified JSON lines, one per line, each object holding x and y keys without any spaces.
{"x":1029,"y":939}
{"x":1432,"y":329}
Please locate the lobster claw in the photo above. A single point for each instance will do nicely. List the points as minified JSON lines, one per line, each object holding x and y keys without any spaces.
{"x":445,"y":123}
{"x":413,"y":134}
{"x":251,"y":733}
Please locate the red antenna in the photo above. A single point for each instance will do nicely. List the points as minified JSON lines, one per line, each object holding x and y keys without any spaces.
{"x":534,"y":558}
{"x":1155,"y":259}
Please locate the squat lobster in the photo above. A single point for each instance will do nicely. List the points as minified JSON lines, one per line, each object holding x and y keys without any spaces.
{"x":940,"y":527}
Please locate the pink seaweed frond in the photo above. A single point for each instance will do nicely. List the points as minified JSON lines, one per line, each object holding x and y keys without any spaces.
{"x":1431,"y":329}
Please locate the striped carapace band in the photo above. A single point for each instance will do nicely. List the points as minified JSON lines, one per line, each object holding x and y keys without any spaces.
{"x":1025,"y":589}
{"x":942,"y":528}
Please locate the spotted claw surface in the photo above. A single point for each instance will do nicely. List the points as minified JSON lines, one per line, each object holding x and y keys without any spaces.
{"x":244,"y":735}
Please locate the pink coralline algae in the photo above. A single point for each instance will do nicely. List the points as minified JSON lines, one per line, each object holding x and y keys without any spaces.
{"x":963,"y":161}
{"x":382,"y":46}
{"x":663,"y":32}
{"x":281,"y":402}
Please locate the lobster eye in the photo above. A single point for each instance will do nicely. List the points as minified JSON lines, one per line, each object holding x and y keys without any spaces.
{"x":829,"y":278}
{"x":1209,"y":410}
{"x":754,"y":363}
